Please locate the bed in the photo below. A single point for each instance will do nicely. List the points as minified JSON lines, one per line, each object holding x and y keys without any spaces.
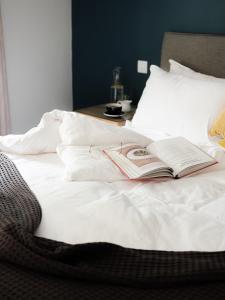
{"x":169,"y":234}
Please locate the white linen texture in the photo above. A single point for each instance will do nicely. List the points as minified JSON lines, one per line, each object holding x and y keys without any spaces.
{"x":84,"y":163}
{"x":78,"y":140}
{"x":175,"y":215}
{"x":41,"y":139}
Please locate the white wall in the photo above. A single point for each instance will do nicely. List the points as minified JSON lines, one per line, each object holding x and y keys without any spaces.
{"x":38,"y":57}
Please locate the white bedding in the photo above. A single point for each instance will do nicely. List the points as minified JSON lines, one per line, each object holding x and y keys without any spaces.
{"x":175,"y":215}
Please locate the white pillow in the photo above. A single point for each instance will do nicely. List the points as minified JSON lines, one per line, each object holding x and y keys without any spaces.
{"x":178,"y":105}
{"x":178,"y":68}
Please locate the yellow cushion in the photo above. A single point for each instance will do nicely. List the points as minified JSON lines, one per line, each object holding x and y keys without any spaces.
{"x":222,"y":143}
{"x":218,"y":127}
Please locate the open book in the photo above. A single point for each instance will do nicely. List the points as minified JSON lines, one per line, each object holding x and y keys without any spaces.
{"x":173,"y":157}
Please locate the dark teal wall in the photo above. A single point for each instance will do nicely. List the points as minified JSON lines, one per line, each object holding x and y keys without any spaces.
{"x":119,"y":32}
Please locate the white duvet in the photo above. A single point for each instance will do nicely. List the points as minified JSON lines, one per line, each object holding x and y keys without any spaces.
{"x":175,"y":215}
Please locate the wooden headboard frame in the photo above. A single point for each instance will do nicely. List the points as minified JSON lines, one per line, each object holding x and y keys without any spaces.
{"x":202,"y":52}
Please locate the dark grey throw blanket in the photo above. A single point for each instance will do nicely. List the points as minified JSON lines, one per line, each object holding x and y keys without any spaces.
{"x":36,"y":268}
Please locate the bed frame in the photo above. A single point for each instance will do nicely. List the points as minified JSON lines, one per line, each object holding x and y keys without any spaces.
{"x":204,"y":53}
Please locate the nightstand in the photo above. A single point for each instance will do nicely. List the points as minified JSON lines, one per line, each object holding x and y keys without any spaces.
{"x":97,"y":113}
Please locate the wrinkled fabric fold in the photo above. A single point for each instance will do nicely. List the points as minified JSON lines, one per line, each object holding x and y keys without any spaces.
{"x":57,"y":270}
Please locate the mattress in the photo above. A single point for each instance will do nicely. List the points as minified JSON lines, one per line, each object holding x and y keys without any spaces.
{"x":175,"y":215}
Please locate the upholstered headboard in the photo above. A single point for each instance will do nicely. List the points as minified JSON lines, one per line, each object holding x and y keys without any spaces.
{"x":203,"y":52}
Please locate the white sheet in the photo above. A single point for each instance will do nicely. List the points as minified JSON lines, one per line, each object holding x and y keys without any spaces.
{"x":175,"y":215}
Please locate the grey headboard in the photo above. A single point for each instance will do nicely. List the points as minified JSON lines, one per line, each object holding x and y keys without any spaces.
{"x":203,"y":52}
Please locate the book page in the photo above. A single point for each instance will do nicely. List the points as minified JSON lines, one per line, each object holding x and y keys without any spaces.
{"x":180,"y":154}
{"x":136,"y":161}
